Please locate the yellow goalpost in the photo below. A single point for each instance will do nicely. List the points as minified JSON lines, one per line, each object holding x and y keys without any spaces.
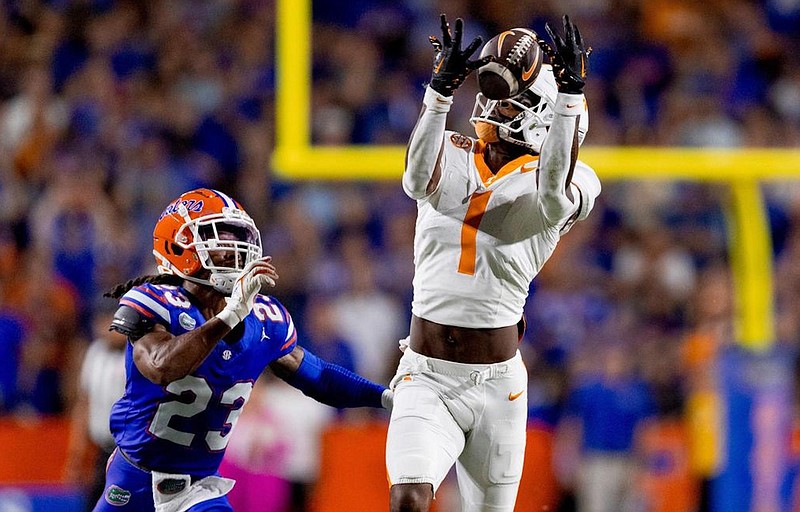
{"x":295,"y":158}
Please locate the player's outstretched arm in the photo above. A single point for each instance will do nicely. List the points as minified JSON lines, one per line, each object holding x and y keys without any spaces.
{"x":451,"y":66}
{"x":163,"y":357}
{"x":329,"y":383}
{"x":569,"y":58}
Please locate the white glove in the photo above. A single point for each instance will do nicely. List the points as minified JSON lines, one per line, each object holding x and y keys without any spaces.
{"x":256,"y":274}
{"x":404,"y":343}
{"x":387,"y":399}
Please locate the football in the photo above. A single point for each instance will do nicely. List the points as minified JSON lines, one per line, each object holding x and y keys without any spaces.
{"x":516,"y":64}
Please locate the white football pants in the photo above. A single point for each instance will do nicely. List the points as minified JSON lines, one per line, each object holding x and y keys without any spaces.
{"x":471,"y":415}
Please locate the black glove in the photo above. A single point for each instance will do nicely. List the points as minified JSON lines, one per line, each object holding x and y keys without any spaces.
{"x":451,"y":65}
{"x":570,"y":58}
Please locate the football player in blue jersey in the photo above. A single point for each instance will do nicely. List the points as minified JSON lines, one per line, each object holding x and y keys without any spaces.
{"x":200,"y":334}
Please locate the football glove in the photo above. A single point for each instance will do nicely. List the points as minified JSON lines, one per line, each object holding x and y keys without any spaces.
{"x":387,"y":399}
{"x":451,"y":64}
{"x":255,"y":275}
{"x":568,"y":56}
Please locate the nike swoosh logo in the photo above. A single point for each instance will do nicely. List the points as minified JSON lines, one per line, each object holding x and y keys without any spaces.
{"x":500,"y":41}
{"x":527,"y":73}
{"x":514,"y":396}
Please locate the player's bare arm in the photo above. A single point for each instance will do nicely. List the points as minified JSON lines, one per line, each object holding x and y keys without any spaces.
{"x":287,"y":365}
{"x":163,"y":358}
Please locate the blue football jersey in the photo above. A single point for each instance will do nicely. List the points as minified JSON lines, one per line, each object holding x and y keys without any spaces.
{"x":185,"y":426}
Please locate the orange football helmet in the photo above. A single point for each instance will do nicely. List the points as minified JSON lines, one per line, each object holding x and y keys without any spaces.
{"x":205,"y":237}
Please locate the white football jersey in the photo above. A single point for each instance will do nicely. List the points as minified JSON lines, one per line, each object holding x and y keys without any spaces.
{"x":481,"y":238}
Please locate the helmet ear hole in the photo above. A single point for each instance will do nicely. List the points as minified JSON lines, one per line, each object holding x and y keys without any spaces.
{"x":177,"y":250}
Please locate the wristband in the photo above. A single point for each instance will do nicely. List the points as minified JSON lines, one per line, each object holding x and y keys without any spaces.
{"x":569,"y":104}
{"x":436,"y":102}
{"x":229,"y":318}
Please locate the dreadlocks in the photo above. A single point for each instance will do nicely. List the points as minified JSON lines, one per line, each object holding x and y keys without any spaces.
{"x":120,"y":290}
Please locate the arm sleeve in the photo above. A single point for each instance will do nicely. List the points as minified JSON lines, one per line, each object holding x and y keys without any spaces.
{"x":333,"y":385}
{"x":558,"y":158}
{"x":425,"y":145}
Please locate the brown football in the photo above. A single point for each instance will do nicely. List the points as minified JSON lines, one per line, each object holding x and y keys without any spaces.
{"x":516,"y":64}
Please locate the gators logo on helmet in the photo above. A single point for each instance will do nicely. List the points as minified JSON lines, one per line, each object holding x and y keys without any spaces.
{"x":206,"y":237}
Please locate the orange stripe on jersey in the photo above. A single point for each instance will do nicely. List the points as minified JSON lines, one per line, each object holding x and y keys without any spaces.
{"x":469,"y":231}
{"x":137,"y":307}
{"x":512,"y":166}
{"x":486,"y":174}
{"x":483,"y":170}
{"x":291,"y":340}
{"x":153,"y":294}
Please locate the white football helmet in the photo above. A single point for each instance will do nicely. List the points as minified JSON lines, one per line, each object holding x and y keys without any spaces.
{"x":530,"y":126}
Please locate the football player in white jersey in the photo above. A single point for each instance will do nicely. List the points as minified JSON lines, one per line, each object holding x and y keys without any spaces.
{"x":490,"y":213}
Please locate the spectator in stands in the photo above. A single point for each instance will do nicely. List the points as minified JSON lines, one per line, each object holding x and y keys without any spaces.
{"x":603,"y":413}
{"x":137,"y":92}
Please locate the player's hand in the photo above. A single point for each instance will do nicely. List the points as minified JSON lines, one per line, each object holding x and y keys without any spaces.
{"x":451,"y":64}
{"x":569,"y":57}
{"x":256,"y":274}
{"x":387,"y":399}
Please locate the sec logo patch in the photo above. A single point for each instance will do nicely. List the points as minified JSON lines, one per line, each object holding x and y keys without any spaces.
{"x":461,"y":141}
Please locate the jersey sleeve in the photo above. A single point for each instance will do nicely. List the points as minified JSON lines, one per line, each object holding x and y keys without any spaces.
{"x":139,"y":310}
{"x":277,"y":325}
{"x":290,"y":340}
{"x":585,"y":189}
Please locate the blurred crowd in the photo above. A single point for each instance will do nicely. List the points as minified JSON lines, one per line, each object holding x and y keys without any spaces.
{"x":109,"y":109}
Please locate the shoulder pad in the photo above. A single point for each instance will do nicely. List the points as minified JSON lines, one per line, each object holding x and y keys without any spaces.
{"x":131,"y":323}
{"x":149,"y":301}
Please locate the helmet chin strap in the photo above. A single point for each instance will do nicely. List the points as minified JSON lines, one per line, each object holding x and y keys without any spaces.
{"x":486,"y":132}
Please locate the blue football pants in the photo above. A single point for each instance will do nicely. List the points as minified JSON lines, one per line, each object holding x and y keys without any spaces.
{"x":130,"y":489}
